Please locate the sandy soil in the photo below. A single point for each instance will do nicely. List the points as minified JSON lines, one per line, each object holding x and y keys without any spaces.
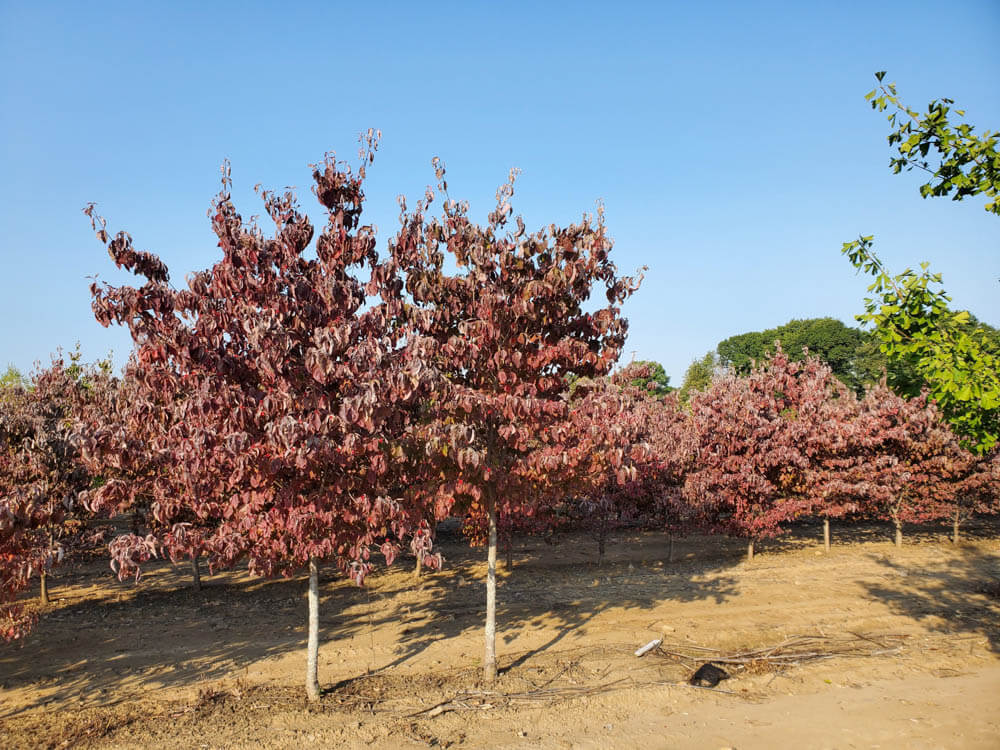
{"x":156,"y":665}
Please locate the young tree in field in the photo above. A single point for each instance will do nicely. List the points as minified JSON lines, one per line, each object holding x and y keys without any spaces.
{"x":41,"y":478}
{"x":900,"y":461}
{"x":832,"y":448}
{"x":626,"y":455}
{"x":131,"y":444}
{"x":291,"y":382}
{"x":978,"y":492}
{"x":752,"y":460}
{"x":510,"y":326}
{"x":605,"y":452}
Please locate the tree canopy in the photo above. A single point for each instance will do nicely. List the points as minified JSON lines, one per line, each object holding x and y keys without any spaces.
{"x":842,"y":347}
{"x":698,"y":376}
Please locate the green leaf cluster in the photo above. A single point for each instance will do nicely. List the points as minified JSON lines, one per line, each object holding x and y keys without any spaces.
{"x":954,"y":354}
{"x":960,"y":162}
{"x":698,"y":376}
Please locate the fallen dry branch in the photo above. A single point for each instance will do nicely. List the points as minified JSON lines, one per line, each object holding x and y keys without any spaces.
{"x":791,"y":651}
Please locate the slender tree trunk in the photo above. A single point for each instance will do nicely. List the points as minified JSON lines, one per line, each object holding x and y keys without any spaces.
{"x":490,"y":657}
{"x":750,"y":551}
{"x":600,"y":550}
{"x":45,"y":576}
{"x":954,"y":527}
{"x":899,"y":532}
{"x":312,"y":649}
{"x":826,"y":534}
{"x":510,"y":552}
{"x":196,"y":572}
{"x":417,"y":569}
{"x":670,"y":550}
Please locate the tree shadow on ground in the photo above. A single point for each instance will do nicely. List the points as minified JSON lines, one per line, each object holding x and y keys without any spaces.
{"x":103,"y":641}
{"x":957,"y":594}
{"x":553,"y":587}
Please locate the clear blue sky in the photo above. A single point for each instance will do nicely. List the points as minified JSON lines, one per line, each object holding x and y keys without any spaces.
{"x":729,"y":142}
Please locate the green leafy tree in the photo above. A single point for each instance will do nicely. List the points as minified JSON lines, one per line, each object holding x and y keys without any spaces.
{"x":960,"y":163}
{"x":959,"y":361}
{"x":953,"y":353}
{"x":840,"y":346}
{"x":13,"y":378}
{"x":698,"y":376}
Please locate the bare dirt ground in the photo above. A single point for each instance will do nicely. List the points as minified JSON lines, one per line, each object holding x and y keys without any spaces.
{"x":159,"y":665}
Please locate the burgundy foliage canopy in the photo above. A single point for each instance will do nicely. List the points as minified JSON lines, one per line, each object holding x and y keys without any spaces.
{"x":755,"y":440}
{"x":42,"y":477}
{"x":276,"y":390}
{"x":508,"y":326}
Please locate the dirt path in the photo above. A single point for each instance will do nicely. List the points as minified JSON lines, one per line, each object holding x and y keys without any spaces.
{"x":160,"y":665}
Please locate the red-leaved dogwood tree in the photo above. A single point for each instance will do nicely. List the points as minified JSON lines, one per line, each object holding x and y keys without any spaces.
{"x":753,"y":458}
{"x":627,"y":452}
{"x":286,"y":385}
{"x":41,"y":478}
{"x":509,"y":318}
{"x":906,"y":465}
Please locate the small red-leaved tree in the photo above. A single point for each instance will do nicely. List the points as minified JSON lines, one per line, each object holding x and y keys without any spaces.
{"x":979,"y":491}
{"x":132,"y":444}
{"x":291,"y":382}
{"x":906,"y":463}
{"x":673,"y":442}
{"x":625,"y":455}
{"x":752,"y":434}
{"x":509,"y":324}
{"x":41,"y":478}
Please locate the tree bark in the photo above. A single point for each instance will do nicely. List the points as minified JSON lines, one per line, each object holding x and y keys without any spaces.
{"x":899,"y":532}
{"x":44,"y":574}
{"x":826,"y":534}
{"x":670,"y":550}
{"x":600,"y":551}
{"x":954,"y":527}
{"x":490,"y":657}
{"x":750,"y":551}
{"x":312,"y":649}
{"x":196,"y":572}
{"x":417,"y":569}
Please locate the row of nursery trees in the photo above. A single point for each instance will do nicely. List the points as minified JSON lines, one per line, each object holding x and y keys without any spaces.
{"x":305,"y":402}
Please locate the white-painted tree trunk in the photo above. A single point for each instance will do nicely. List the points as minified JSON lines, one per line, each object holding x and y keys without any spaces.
{"x":312,"y":649}
{"x":826,"y":534}
{"x":490,"y":657}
